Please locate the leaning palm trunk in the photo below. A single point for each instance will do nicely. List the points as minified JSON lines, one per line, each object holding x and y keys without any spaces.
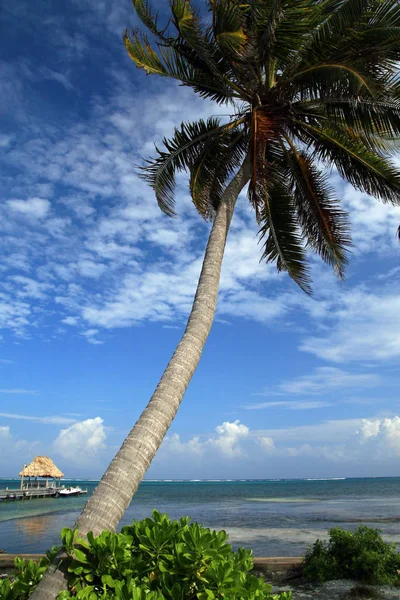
{"x":113,"y":495}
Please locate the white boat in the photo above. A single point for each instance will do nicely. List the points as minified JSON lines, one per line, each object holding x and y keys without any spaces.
{"x":72,"y":491}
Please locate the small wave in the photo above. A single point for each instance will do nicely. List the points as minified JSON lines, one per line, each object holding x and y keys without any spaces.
{"x":291,"y":500}
{"x":324,"y":479}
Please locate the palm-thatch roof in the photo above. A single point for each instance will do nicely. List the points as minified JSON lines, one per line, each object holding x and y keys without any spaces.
{"x":41,"y":466}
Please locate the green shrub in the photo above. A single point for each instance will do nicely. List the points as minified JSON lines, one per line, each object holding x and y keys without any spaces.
{"x":360,"y":555}
{"x":153,"y":559}
{"x":362,"y":592}
{"x":27,"y":575}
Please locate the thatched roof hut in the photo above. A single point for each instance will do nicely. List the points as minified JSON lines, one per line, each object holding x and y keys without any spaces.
{"x":41,"y":466}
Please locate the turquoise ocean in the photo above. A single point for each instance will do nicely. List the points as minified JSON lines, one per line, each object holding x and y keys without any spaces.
{"x":274,"y":518}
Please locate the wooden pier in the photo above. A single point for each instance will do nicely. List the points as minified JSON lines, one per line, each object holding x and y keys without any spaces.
{"x":29,"y":494}
{"x":40,"y":479}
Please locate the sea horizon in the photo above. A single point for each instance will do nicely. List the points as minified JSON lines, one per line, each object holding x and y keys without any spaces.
{"x":216,"y":480}
{"x":272,"y":517}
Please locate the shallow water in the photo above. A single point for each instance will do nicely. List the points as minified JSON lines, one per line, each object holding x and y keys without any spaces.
{"x":274,"y":518}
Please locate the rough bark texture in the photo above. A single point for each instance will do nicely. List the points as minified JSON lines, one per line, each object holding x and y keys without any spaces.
{"x":113,"y":495}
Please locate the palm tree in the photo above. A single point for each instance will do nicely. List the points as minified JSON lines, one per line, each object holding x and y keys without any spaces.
{"x":311,"y":83}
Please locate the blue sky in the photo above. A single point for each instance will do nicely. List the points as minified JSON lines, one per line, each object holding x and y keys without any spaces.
{"x":96,"y":284}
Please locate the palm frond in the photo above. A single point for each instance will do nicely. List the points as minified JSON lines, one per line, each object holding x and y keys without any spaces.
{"x":369,"y":117}
{"x":285,"y":28}
{"x":209,"y":174}
{"x":228,"y":28}
{"x":282,"y":239}
{"x":316,"y":80}
{"x":182,"y":152}
{"x":334,"y":19}
{"x":143,"y":55}
{"x":324,"y":224}
{"x":324,"y":80}
{"x":144,"y":13}
{"x":169,"y":62}
{"x":187,"y":23}
{"x":364,"y":169}
{"x":359,"y":33}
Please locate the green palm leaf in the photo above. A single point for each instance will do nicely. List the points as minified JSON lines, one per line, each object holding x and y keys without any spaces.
{"x":182,"y":153}
{"x":335,"y":18}
{"x":170,"y":62}
{"x":144,"y":13}
{"x":324,"y":80}
{"x":210,"y":173}
{"x":364,"y":169}
{"x":317,"y":81}
{"x":283,"y":242}
{"x":228,"y":28}
{"x":368,"y":117}
{"x":325,"y":225}
{"x":143,"y":55}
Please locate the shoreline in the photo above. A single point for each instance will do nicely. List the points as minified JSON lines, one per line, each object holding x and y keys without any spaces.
{"x":262,"y":564}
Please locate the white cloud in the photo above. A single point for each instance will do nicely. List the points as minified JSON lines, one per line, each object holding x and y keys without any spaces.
{"x":267,"y":443}
{"x":90,"y":336}
{"x":50,"y":420}
{"x":342,"y":440}
{"x":29,"y":288}
{"x":173,"y":445}
{"x":365,"y":326}
{"x":5,"y":140}
{"x":18,"y":391}
{"x":70,"y":321}
{"x":329,"y":448}
{"x":374,"y":224}
{"x":56,"y":76}
{"x":383,"y":435}
{"x":82,"y":441}
{"x":6,"y":361}
{"x":34,"y":207}
{"x":106,"y":235}
{"x":13,"y":449}
{"x":322,"y":381}
{"x":229,"y":436}
{"x":4,"y":434}
{"x":290,"y":404}
{"x":226,"y":443}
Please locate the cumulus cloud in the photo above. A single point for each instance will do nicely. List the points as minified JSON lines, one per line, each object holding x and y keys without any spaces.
{"x":229,"y":436}
{"x":372,"y":439}
{"x":381,"y":435}
{"x":330,"y":447}
{"x":82,"y":441}
{"x":226,"y":443}
{"x":267,"y":443}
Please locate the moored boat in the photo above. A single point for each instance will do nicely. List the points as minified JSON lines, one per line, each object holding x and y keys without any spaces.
{"x":72,"y":491}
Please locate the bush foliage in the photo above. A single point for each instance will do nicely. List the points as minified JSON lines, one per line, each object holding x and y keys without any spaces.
{"x":360,"y":555}
{"x":153,"y":559}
